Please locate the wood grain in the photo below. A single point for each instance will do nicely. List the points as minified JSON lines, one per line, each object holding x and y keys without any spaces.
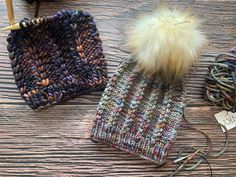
{"x":55,"y":141}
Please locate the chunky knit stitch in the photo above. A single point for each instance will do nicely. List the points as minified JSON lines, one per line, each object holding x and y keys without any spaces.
{"x":57,"y":57}
{"x":139,"y":114}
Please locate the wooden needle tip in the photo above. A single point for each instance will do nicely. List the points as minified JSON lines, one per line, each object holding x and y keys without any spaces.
{"x":15,"y":26}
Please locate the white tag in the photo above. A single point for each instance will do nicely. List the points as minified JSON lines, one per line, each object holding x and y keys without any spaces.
{"x":226,"y":118}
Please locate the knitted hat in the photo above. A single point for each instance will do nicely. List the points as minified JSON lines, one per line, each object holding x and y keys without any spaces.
{"x":142,"y":105}
{"x":57,"y":57}
{"x":139,"y":114}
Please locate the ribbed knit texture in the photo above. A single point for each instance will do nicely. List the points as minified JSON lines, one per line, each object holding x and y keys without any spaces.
{"x":57,"y":57}
{"x":139,"y":114}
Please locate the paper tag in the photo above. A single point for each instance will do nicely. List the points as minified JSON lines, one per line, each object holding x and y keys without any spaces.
{"x":226,"y":118}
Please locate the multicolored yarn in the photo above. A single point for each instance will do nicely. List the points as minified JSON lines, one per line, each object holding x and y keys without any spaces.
{"x":221,"y":82}
{"x":139,"y":114}
{"x":57,"y":57}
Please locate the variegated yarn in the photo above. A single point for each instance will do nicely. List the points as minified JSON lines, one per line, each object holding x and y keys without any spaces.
{"x":139,"y":114}
{"x":57,"y":57}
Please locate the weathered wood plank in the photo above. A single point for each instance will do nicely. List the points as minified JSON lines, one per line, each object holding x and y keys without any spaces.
{"x":44,"y":143}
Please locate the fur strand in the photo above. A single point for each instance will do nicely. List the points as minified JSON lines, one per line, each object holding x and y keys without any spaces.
{"x":167,"y":42}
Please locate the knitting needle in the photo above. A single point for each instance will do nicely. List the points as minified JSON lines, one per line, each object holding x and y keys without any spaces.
{"x":10,"y":13}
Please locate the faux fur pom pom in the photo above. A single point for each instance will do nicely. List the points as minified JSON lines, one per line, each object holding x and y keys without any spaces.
{"x":167,"y":42}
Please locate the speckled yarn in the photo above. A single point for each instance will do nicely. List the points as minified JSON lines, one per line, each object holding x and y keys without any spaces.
{"x":57,"y":57}
{"x":139,"y":114}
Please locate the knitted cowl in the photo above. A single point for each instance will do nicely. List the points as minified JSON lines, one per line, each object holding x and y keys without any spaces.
{"x":57,"y":57}
{"x":139,"y":114}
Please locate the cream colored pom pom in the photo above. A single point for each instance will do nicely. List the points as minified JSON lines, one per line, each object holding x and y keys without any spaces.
{"x":167,"y":42}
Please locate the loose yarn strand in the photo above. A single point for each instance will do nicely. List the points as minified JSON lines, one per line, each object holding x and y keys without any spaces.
{"x":221,"y":90}
{"x":36,"y":12}
{"x":37,"y":8}
{"x":182,"y":161}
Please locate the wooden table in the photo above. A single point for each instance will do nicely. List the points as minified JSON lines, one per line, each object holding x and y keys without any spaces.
{"x":56,"y":141}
